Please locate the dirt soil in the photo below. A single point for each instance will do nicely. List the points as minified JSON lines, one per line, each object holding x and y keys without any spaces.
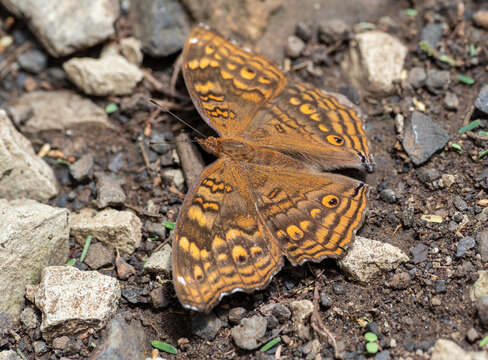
{"x":408,"y":319}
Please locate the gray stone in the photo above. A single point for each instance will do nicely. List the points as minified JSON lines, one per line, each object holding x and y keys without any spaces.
{"x":440,"y":286}
{"x":161,"y":26}
{"x":40,"y":347}
{"x":98,"y":256}
{"x":82,"y":169}
{"x":482,"y":307}
{"x":67,"y":26}
{"x":367,"y":258}
{"x":120,"y":230}
{"x":382,"y":355}
{"x":294,"y":46}
{"x":32,"y":60}
{"x":459,"y":203}
{"x":206,"y":325}
{"x":416,"y":77}
{"x":482,"y":240}
{"x":375,"y":61}
{"x":156,"y":229}
{"x":236,"y":314}
{"x":432,"y":34}
{"x":472,"y":335}
{"x":428,"y":175}
{"x":123,"y":341}
{"x":303,"y":31}
{"x":400,"y":280}
{"x":160,"y":261}
{"x":446,"y":350}
{"x":301,"y":312}
{"x":61,"y":291}
{"x":36,"y":236}
{"x":281,"y":312}
{"x":28,"y":318}
{"x":159,"y":298}
{"x":333,"y":31}
{"x":22,"y":173}
{"x":437,"y":80}
{"x":9,"y":355}
{"x":109,"y":191}
{"x":175,"y":175}
{"x":389,"y":196}
{"x":110,"y":75}
{"x":422,"y":138}
{"x":419,"y":252}
{"x":249,"y":331}
{"x":116,"y":163}
{"x":408,"y":215}
{"x":481,"y":102}
{"x":56,"y":110}
{"x":464,"y":245}
{"x":451,"y":101}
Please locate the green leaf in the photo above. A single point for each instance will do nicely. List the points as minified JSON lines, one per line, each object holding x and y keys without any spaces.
{"x":483,"y":133}
{"x":425,"y":46}
{"x":170,"y":349}
{"x":483,"y":154}
{"x":472,"y":50}
{"x":372,"y":347}
{"x":446,"y":59}
{"x":483,"y":342}
{"x":465,"y":79}
{"x":169,"y":225}
{"x":472,"y":125}
{"x":411,"y":12}
{"x":85,"y":248}
{"x":457,"y":147}
{"x":111,"y":108}
{"x":371,"y":337}
{"x":71,"y":262}
{"x":270,"y":344}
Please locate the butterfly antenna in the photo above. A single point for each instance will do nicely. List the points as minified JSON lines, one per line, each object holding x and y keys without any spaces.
{"x":165,"y":109}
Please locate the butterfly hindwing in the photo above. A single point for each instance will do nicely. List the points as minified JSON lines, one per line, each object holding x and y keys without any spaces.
{"x":220,"y":246}
{"x":227,"y":83}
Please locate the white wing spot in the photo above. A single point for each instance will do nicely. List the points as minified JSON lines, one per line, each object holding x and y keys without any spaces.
{"x":181,"y":280}
{"x":193,"y":40}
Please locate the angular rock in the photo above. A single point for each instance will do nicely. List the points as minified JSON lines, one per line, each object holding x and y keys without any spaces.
{"x":110,"y":75}
{"x":98,"y":256}
{"x":368,"y":257}
{"x":480,"y":287}
{"x":22,"y":173}
{"x":482,"y":241}
{"x":206,"y":325}
{"x":464,"y":245}
{"x":123,"y":341}
{"x":67,"y":26}
{"x":36,"y":236}
{"x":446,"y":350}
{"x":116,"y":229}
{"x":131,"y":49}
{"x":437,"y":80}
{"x":432,"y":34}
{"x":73,"y":301}
{"x":420,"y":253}
{"x":481,"y":102}
{"x":28,"y":318}
{"x":160,"y":261}
{"x":161,"y":25}
{"x":301,"y":311}
{"x":176,"y":176}
{"x":482,"y":307}
{"x":294,"y":46}
{"x":236,"y":314}
{"x":416,"y":77}
{"x":56,"y":110}
{"x":109,"y":190}
{"x":82,"y":169}
{"x":249,"y":331}
{"x":422,"y":137}
{"x":451,"y":101}
{"x":375,"y":60}
{"x":333,"y":31}
{"x":9,"y":355}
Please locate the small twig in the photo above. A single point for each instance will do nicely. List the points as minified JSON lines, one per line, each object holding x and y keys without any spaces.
{"x":159,"y":86}
{"x":319,"y":326}
{"x":144,"y":155}
{"x":149,"y":121}
{"x":191,"y":159}
{"x":7,"y":62}
{"x":176,"y":72}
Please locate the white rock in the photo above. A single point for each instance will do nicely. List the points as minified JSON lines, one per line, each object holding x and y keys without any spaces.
{"x":22,"y":173}
{"x":367,"y":257}
{"x":160,"y":261}
{"x":56,"y":110}
{"x":375,"y":60}
{"x":480,"y":287}
{"x":117,"y":229}
{"x":73,"y":301}
{"x":131,"y":49}
{"x":66,"y":26}
{"x":32,"y":236}
{"x":449,"y":350}
{"x":249,"y":331}
{"x":9,"y":355}
{"x":176,"y":175}
{"x":112,"y":74}
{"x":301,"y":311}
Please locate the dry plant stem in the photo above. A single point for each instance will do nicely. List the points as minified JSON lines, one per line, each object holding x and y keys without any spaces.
{"x":5,"y":65}
{"x":319,"y":327}
{"x":190,"y":157}
{"x":176,"y":71}
{"x":159,"y":86}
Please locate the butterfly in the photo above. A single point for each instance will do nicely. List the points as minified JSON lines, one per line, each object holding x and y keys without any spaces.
{"x":267,"y":196}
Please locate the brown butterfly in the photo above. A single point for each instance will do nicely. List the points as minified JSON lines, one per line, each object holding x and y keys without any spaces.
{"x":265,"y":196}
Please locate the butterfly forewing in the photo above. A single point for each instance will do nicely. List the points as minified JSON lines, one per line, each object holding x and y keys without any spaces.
{"x":227,"y":83}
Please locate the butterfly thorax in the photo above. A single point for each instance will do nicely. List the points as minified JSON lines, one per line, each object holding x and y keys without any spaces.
{"x":236,"y":149}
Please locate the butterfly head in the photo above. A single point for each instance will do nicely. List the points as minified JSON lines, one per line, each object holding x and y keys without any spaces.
{"x":234,"y":148}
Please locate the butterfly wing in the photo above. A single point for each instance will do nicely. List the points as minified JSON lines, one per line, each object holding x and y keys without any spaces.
{"x":321,"y":129}
{"x":227,"y":84}
{"x":220,"y":246}
{"x":312,"y":215}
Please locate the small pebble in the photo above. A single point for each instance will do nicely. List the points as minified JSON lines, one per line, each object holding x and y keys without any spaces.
{"x":440,"y":286}
{"x":464,"y":245}
{"x":383,"y":355}
{"x":333,"y":31}
{"x":459,"y":203}
{"x":325,"y":301}
{"x":482,"y":241}
{"x":294,"y":47}
{"x":281,"y":312}
{"x":472,"y":335}
{"x":432,"y":34}
{"x":428,"y":175}
{"x":480,"y":18}
{"x":419,"y":252}
{"x":303,"y":31}
{"x":236,"y":314}
{"x":32,"y":60}
{"x":437,"y":80}
{"x":338,"y":289}
{"x":388,"y":195}
{"x":451,"y":101}
{"x":482,"y":306}
{"x":416,"y":77}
